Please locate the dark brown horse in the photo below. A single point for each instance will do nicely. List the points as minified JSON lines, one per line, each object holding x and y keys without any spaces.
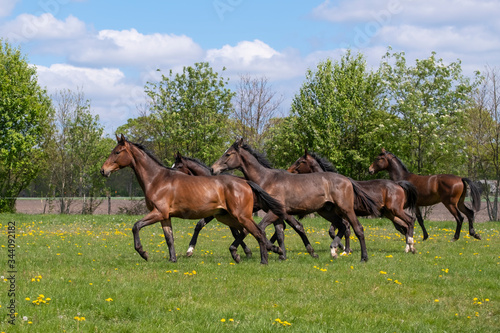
{"x":448,"y":189}
{"x":194,"y":167}
{"x":330,"y":194}
{"x":391,"y":197}
{"x":170,"y":193}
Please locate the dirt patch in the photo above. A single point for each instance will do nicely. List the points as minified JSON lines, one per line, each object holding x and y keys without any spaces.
{"x":36,"y":206}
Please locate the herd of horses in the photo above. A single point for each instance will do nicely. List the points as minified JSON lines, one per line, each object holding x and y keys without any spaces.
{"x":191,"y":190}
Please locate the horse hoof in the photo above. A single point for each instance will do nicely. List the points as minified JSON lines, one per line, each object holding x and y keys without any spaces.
{"x":237,"y":258}
{"x":282,"y":257}
{"x":145,"y":256}
{"x":454,"y":239}
{"x":173,"y":259}
{"x":189,"y":254}
{"x":248,"y":253}
{"x":426,"y":236}
{"x":476,"y":236}
{"x":314,"y":255}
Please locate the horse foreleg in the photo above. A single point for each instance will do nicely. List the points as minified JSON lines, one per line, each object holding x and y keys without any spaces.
{"x":279,"y":235}
{"x":359,"y":231}
{"x":200,"y":225}
{"x":169,"y":237}
{"x":236,"y":235}
{"x":153,"y":217}
{"x":420,"y":220}
{"x":299,"y":229}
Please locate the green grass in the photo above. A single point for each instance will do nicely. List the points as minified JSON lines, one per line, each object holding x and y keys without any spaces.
{"x":80,"y":262}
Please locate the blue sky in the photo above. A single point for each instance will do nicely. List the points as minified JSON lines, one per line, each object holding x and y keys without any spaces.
{"x":110,"y":49}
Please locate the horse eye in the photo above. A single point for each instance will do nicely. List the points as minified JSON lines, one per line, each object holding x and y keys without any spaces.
{"x":118,"y":152}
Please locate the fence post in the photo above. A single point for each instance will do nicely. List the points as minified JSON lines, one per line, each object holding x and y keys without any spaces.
{"x":109,"y":204}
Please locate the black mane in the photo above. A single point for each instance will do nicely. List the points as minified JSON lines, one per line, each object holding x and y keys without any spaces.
{"x":150,"y":154}
{"x":399,"y":161}
{"x":323,"y":163}
{"x":261,"y":158}
{"x":197,"y":161}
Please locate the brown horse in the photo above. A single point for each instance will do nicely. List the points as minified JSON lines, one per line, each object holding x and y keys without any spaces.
{"x":194,"y":167}
{"x":170,"y":193}
{"x":391,"y":197}
{"x":448,"y":189}
{"x":330,"y":194}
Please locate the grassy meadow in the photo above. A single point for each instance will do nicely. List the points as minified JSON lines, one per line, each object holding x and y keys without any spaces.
{"x":81,"y":274}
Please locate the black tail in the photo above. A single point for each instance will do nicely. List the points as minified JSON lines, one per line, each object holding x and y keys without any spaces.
{"x":363,"y":201}
{"x":411,"y":195}
{"x":267,"y":202}
{"x":475,"y":194}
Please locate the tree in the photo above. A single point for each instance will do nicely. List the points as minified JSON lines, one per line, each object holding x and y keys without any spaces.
{"x":427,"y":104}
{"x":255,"y":105}
{"x":336,"y":112}
{"x":483,"y":138}
{"x":24,"y":112}
{"x":77,"y":151}
{"x":189,"y":112}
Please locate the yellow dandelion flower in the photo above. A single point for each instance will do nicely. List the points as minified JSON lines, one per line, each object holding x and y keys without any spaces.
{"x":109,"y":299}
{"x":436,"y":300}
{"x":223,"y":320}
{"x":382,"y":272}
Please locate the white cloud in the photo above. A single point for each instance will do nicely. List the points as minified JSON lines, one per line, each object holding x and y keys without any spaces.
{"x":421,"y":12}
{"x":6,"y":7}
{"x":111,"y":95}
{"x":256,"y":57}
{"x":129,"y":47}
{"x":28,"y":27}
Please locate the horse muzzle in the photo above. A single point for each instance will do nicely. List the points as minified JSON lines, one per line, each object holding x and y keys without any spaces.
{"x":105,"y":173}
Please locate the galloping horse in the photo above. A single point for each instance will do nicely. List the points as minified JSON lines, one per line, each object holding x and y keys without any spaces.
{"x":170,"y":193}
{"x":448,"y":189}
{"x":194,"y":167}
{"x":330,"y":194}
{"x":391,"y":197}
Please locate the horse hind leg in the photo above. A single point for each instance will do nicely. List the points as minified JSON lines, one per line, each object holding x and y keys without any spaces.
{"x":470,"y":217}
{"x":420,"y":220}
{"x":458,"y":218}
{"x":169,"y":237}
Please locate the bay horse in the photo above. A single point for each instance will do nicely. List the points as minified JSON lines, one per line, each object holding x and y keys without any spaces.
{"x":391,"y":197}
{"x":448,"y":189}
{"x":170,"y":193}
{"x":331,"y":195}
{"x":195,"y":167}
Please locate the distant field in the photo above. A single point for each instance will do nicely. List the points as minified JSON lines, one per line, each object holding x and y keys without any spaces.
{"x":79,"y":273}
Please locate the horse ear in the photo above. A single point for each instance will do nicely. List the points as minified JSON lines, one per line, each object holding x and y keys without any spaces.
{"x":178,"y":156}
{"x":305,"y":152}
{"x":240,"y":143}
{"x":122,"y":138}
{"x":383,"y":151}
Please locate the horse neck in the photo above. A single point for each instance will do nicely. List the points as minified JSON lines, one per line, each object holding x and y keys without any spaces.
{"x":315,"y":166}
{"x":145,"y":169}
{"x":396,"y":171}
{"x":251,"y":167}
{"x":198,"y":170}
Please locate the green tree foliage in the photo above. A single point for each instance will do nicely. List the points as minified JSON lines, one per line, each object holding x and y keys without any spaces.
{"x":189,"y":112}
{"x":24,"y":112}
{"x":335,"y":113}
{"x":483,"y":144}
{"x":427,"y":105}
{"x":77,"y":151}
